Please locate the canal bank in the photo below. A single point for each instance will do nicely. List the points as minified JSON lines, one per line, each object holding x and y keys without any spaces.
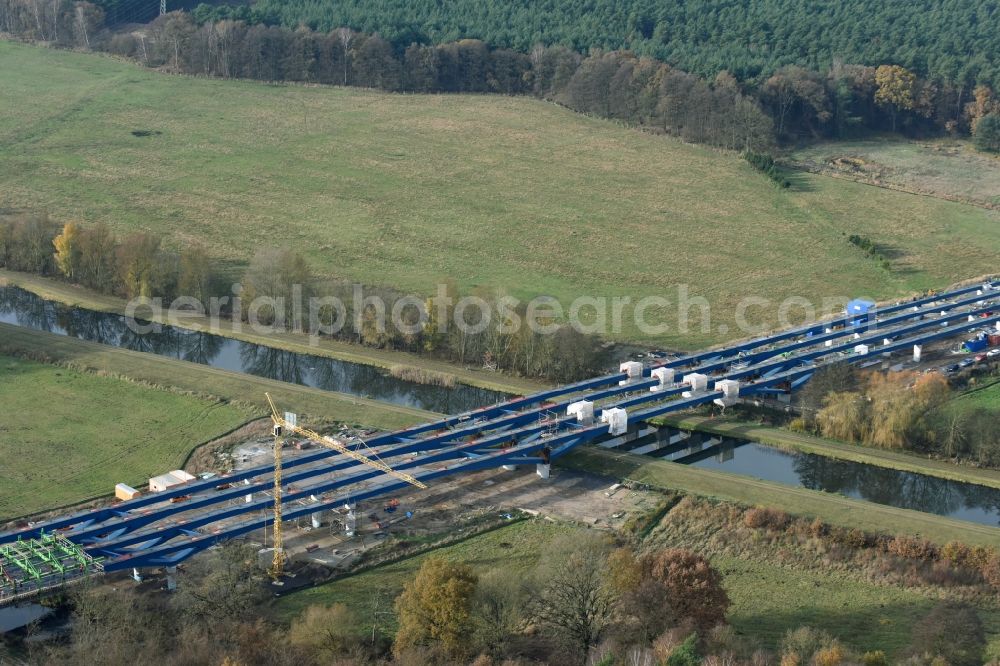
{"x":81,"y":297}
{"x":830,"y":508}
{"x":782,"y":438}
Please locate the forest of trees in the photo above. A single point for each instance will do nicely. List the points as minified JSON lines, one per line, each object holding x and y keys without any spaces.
{"x":944,"y":40}
{"x":792,"y":103}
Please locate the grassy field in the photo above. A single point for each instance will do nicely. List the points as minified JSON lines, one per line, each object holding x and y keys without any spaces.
{"x":944,"y":168}
{"x":983,"y":397}
{"x":516,"y":548}
{"x":494,"y":192}
{"x":769,"y":599}
{"x":201,"y":379}
{"x":70,"y":436}
{"x":62,"y":292}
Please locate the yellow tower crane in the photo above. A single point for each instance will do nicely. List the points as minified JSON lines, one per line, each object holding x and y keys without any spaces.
{"x":278,"y":562}
{"x":282,"y":426}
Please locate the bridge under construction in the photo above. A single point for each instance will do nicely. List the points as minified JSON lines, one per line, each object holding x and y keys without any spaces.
{"x":164,"y":528}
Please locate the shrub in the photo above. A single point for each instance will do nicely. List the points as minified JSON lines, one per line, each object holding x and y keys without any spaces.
{"x":875,"y":658}
{"x":912,"y":548}
{"x":991,"y":571}
{"x":685,"y":654}
{"x":766,"y":165}
{"x":987,"y":133}
{"x":798,"y":425}
{"x":773,"y":519}
{"x":829,"y":656}
{"x":956,"y":554}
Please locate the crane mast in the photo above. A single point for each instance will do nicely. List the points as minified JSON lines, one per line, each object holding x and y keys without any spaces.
{"x":284,"y":425}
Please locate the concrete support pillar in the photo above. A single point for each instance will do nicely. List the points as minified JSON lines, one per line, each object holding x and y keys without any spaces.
{"x":351,"y":521}
{"x":509,"y":468}
{"x":171,"y":579}
{"x":317,"y":519}
{"x":917,"y":350}
{"x":249,"y":498}
{"x":136,"y":576}
{"x":543,"y":470}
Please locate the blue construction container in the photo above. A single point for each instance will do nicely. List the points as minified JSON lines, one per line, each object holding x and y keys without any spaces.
{"x":976,"y":344}
{"x":858,"y":310}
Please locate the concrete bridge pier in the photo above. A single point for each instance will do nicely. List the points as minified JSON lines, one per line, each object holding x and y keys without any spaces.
{"x":351,"y":520}
{"x":171,"y":579}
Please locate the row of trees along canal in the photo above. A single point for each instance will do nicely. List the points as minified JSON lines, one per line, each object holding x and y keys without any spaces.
{"x":902,"y":410}
{"x":791,"y":104}
{"x":138,"y":265}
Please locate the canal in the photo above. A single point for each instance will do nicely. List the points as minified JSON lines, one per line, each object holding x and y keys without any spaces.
{"x":26,"y":309}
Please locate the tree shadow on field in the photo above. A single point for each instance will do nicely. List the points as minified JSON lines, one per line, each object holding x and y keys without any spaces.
{"x":798,"y":180}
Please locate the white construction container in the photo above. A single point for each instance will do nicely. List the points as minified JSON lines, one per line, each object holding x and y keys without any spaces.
{"x":698,"y":383}
{"x":666,"y":377}
{"x":617,"y":420}
{"x":631,"y":368}
{"x":173,"y":478}
{"x":125,"y":492}
{"x":730,"y":392}
{"x":583,"y":410}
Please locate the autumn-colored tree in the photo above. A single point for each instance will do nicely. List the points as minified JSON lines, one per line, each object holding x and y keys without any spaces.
{"x":137,"y":264}
{"x":693,"y":588}
{"x":844,"y":416}
{"x":983,"y":103}
{"x":195,"y":277}
{"x":67,"y":245}
{"x":434,"y":607}
{"x":952,"y":631}
{"x":97,"y":257}
{"x":896,"y":90}
{"x":324,"y":631}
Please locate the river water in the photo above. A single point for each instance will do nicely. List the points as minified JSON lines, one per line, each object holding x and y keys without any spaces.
{"x":26,"y":309}
{"x":881,"y":485}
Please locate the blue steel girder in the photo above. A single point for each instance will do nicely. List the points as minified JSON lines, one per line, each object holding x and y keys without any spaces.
{"x":650,"y":397}
{"x":477,"y":421}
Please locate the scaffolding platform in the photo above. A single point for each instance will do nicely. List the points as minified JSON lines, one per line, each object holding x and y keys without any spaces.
{"x":32,"y":566}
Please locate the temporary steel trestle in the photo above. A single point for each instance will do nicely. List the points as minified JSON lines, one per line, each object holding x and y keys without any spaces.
{"x":151,"y":531}
{"x":29,"y":566}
